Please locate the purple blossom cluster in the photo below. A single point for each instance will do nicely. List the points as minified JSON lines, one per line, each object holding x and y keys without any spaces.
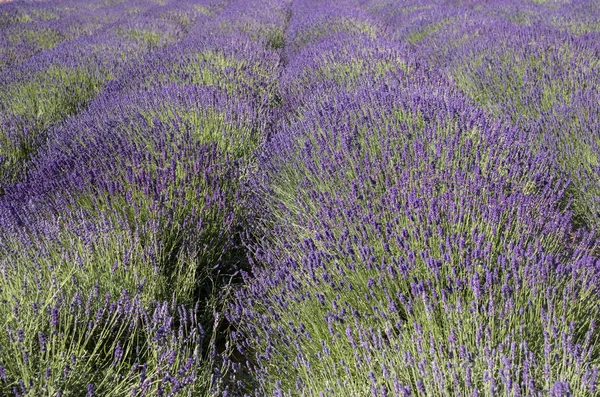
{"x":299,"y":198}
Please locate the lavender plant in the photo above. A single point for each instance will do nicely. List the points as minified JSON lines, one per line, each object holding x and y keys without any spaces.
{"x":413,"y":246}
{"x":525,"y":62}
{"x":133,"y":196}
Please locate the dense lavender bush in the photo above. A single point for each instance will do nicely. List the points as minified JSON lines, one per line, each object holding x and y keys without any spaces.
{"x":127,"y":216}
{"x":549,"y":88}
{"x":387,"y":256}
{"x":412,"y":245}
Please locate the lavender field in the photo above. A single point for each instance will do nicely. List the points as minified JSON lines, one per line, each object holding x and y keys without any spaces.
{"x":347,"y":198}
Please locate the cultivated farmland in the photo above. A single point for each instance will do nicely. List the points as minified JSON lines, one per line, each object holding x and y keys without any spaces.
{"x":347,"y":198}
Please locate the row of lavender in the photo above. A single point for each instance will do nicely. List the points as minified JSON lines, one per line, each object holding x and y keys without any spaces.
{"x":61,"y":59}
{"x":418,"y":232}
{"x":119,"y":215}
{"x":534,"y":63}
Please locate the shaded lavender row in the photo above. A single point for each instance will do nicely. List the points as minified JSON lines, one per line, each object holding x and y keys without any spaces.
{"x":406,"y":242}
{"x":137,"y":197}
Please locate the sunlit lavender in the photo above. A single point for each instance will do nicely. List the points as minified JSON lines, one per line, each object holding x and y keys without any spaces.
{"x":347,"y":198}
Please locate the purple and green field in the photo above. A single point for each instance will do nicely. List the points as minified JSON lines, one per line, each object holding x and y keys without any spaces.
{"x":353,"y":198}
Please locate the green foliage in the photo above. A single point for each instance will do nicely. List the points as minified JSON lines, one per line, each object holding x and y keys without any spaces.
{"x":33,"y":106}
{"x":535,"y":91}
{"x":65,"y":334}
{"x":317,"y":31}
{"x":148,"y":38}
{"x":42,"y":39}
{"x":422,"y":33}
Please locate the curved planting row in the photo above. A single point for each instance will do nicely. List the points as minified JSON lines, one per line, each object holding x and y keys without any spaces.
{"x":409,"y":244}
{"x":119,"y":243}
